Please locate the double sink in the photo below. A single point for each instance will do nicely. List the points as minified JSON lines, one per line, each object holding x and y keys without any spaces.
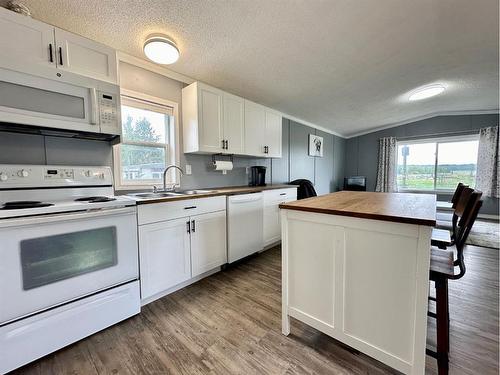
{"x":170,"y":194}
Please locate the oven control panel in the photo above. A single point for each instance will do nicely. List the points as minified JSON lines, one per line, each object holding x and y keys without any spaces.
{"x":59,"y":173}
{"x":19,"y":176}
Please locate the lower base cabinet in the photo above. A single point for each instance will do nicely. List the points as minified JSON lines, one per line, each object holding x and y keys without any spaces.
{"x":172,"y":252}
{"x":272,"y":219}
{"x":208,"y":242}
{"x":165,"y":256}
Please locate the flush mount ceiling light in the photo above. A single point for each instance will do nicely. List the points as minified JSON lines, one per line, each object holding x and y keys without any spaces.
{"x":426,"y":92}
{"x":161,"y":50}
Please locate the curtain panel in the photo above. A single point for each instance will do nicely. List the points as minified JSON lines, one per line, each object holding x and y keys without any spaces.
{"x":386,"y":172}
{"x":488,"y":162}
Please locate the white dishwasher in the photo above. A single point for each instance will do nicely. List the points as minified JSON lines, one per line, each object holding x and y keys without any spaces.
{"x":244,"y":225}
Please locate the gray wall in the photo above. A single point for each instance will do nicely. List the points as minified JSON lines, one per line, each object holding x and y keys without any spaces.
{"x":325,"y":172}
{"x":16,"y":148}
{"x":361,"y":153}
{"x":37,"y":149}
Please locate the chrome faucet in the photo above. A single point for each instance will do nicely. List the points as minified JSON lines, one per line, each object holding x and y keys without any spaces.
{"x":165,"y":176}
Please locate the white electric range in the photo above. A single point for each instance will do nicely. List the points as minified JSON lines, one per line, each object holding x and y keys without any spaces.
{"x":68,"y":258}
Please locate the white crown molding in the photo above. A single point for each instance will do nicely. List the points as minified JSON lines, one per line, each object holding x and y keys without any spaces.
{"x":311,"y":125}
{"x":425,"y":117}
{"x":136,"y":61}
{"x":132,"y":60}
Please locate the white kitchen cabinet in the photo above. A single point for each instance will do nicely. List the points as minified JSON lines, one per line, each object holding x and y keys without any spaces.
{"x":25,"y":41}
{"x":208,"y":242}
{"x":234,"y":112}
{"x":83,"y":56}
{"x":273,"y":133}
{"x":165,"y":258}
{"x":212,"y":120}
{"x":262,"y":131}
{"x":34,"y":47}
{"x":255,"y":128}
{"x":272,"y":221}
{"x":217,"y":122}
{"x":179,"y":241}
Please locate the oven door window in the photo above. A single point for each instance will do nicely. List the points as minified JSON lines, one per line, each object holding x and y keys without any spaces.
{"x":46,"y":260}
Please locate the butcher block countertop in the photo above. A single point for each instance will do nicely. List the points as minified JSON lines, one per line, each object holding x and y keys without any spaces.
{"x":396,"y":207}
{"x":234,"y":190}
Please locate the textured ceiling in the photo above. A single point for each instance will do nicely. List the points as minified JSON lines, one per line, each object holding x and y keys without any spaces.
{"x":341,"y":64}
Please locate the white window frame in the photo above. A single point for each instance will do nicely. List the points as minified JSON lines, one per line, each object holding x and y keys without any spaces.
{"x":437,"y":140}
{"x":172,"y":153}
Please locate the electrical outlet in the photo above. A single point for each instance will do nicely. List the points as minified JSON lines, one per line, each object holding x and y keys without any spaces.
{"x":188,"y":169}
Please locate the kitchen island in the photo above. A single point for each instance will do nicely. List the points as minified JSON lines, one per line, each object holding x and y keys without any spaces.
{"x":356,"y":267}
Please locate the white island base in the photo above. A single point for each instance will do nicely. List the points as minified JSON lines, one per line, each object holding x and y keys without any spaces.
{"x":361,"y":281}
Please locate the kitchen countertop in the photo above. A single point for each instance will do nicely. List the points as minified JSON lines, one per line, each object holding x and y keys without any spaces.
{"x":396,"y":207}
{"x":232,"y":190}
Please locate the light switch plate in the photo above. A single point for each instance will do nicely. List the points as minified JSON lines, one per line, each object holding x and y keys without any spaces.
{"x":188,"y":169}
{"x":247,"y":170}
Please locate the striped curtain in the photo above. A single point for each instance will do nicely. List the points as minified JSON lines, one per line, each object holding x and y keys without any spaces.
{"x":488,"y":162}
{"x":386,"y":173}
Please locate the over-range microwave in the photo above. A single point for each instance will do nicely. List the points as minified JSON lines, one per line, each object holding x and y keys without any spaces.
{"x":72,"y":102}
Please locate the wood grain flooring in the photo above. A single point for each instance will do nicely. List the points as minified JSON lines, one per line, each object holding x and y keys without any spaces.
{"x":230,"y":323}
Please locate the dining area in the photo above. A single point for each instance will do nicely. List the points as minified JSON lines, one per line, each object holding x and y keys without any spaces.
{"x":372,"y":271}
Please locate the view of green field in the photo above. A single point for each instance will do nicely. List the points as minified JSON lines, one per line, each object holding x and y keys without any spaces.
{"x":421,"y":177}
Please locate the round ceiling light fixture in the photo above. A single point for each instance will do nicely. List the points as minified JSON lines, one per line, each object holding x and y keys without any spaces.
{"x":161,"y":50}
{"x":426,"y":92}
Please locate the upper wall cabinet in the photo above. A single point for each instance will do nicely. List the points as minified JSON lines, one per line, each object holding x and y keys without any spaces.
{"x":35,"y":47}
{"x":212,"y":120}
{"x":25,"y":40}
{"x":262,"y":131}
{"x":217,"y":122}
{"x":86,"y":57}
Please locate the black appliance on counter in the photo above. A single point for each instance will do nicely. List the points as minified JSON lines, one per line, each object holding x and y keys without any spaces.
{"x":355,"y":183}
{"x":257,"y":176}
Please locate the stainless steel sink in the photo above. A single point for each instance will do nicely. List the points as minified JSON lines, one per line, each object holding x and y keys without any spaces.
{"x":166,"y":194}
{"x":193,"y":192}
{"x":155,"y":195}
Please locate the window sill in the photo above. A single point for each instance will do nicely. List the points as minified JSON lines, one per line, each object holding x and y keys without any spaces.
{"x":444,"y":192}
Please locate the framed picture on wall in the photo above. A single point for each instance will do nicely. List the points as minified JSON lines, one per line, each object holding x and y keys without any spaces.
{"x":315,"y":145}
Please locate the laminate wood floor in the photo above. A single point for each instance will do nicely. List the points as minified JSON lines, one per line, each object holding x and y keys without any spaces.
{"x":230,"y":323}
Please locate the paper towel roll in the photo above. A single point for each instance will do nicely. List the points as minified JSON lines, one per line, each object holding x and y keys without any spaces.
{"x":220,"y":165}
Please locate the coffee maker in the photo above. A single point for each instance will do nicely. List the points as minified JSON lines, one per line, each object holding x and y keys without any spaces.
{"x":257,"y":176}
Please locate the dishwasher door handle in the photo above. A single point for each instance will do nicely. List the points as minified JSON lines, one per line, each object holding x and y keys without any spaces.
{"x":245,"y":198}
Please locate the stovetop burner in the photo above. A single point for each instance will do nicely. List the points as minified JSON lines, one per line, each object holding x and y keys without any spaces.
{"x":96,"y":199}
{"x":16,"y":205}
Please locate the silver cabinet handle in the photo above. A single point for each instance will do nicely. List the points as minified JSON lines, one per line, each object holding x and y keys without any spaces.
{"x":193,"y":226}
{"x":188,"y":227}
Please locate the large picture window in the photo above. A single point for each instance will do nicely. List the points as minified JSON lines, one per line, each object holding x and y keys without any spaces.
{"x":437,"y":164}
{"x":147,"y":142}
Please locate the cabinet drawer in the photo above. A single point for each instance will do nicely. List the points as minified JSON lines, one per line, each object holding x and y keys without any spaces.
{"x":279,"y":195}
{"x":154,"y":212}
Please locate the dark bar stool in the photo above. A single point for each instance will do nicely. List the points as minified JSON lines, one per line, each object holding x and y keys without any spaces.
{"x":442,"y":269}
{"x":442,"y":237}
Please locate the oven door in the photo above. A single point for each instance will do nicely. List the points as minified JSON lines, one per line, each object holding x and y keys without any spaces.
{"x":49,"y":260}
{"x":32,"y":100}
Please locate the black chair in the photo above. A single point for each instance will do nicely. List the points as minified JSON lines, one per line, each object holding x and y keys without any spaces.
{"x":305,"y":189}
{"x":442,"y":238}
{"x":442,"y":269}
